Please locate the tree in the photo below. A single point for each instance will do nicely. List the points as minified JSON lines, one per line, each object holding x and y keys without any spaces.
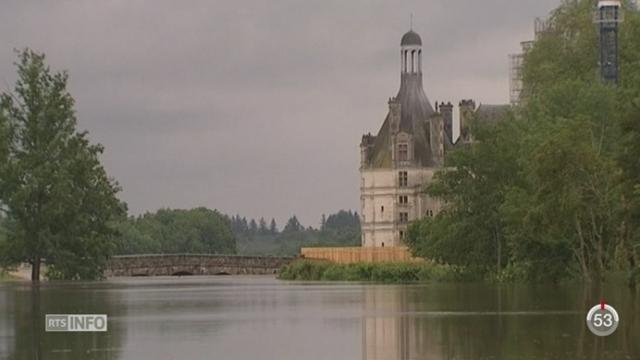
{"x":293,"y":225}
{"x":253,"y":227}
{"x":273,"y":228}
{"x":169,"y":231}
{"x":57,"y":196}
{"x":244,"y":226}
{"x":262,"y":227}
{"x":470,"y":230}
{"x":342,"y":220}
{"x":552,"y":191}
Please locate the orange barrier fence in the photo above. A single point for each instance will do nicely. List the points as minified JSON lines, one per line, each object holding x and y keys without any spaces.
{"x":348,"y":255}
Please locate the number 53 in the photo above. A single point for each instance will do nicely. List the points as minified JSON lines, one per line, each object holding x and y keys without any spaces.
{"x":603,"y":319}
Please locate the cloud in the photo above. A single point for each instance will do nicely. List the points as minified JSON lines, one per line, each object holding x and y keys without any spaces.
{"x":255,"y":107}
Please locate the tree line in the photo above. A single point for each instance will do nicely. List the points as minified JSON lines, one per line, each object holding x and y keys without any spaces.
{"x":553,"y":190}
{"x":58,"y":205}
{"x":172,"y":231}
{"x":201,"y":230}
{"x":258,"y":238}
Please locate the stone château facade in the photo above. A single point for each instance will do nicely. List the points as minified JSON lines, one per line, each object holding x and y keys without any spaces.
{"x":410,"y":147}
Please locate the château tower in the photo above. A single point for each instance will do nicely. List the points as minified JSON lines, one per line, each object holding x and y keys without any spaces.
{"x":398,"y":161}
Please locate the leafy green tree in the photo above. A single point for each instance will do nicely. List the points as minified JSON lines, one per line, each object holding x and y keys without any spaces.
{"x":470,"y":230}
{"x":551,"y":191}
{"x":56,"y":194}
{"x":342,"y":220}
{"x":169,"y":231}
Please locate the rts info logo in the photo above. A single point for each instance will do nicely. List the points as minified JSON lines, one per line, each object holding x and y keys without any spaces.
{"x":76,"y":323}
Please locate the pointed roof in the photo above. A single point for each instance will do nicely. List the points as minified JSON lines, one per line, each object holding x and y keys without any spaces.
{"x":415,"y":118}
{"x":415,"y":114}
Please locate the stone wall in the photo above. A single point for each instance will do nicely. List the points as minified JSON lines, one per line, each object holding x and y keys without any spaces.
{"x":380,"y":207}
{"x":193,"y":264}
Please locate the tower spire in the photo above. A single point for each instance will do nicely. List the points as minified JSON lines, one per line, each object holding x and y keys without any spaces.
{"x":411,"y":21}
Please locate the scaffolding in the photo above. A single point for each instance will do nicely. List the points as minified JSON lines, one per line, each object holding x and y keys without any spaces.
{"x":608,"y":16}
{"x":540,"y":26}
{"x":515,"y":78}
{"x":516,"y":62}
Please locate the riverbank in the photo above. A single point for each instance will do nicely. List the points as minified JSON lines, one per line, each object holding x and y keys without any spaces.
{"x":5,"y":276}
{"x":388,"y":272}
{"x":19,"y":273}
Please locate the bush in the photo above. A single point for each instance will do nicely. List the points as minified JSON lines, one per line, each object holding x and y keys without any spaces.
{"x":404,"y":272}
{"x":304,"y":270}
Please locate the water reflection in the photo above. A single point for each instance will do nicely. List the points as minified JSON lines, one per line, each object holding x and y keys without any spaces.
{"x":263,"y":318}
{"x":476,"y":321}
{"x":391,"y":330}
{"x":22,"y":322}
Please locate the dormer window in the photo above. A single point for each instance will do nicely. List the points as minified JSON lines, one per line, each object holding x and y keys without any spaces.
{"x":403,"y":152}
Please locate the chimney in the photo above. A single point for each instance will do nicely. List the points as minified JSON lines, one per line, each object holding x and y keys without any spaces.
{"x":394,"y":114}
{"x":437,"y":138}
{"x":447,"y":117}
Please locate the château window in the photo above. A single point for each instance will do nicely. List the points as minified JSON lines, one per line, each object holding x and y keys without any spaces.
{"x":403,"y":152}
{"x":401,"y":235}
{"x":403,"y":179}
{"x":403,"y":200}
{"x":404,"y":217}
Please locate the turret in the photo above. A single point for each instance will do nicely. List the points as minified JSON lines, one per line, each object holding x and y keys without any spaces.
{"x":366,"y":145}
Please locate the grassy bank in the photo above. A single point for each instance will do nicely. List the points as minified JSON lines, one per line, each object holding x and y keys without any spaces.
{"x":377,"y":272}
{"x":5,"y":276}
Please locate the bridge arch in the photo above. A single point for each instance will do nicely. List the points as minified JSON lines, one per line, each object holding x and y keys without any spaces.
{"x":182,"y":273}
{"x":193,"y":264}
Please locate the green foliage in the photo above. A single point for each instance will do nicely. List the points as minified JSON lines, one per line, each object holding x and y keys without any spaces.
{"x":469,"y":232}
{"x":304,"y":270}
{"x":57,"y":196}
{"x":407,"y":272}
{"x":551,"y":191}
{"x":200,"y":231}
{"x":293,"y":225}
{"x":339,"y":229}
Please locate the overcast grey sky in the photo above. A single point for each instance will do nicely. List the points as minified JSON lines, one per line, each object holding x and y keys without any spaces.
{"x":255,"y":107}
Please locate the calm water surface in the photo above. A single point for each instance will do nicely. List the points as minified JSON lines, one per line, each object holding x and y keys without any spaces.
{"x":263,"y":318}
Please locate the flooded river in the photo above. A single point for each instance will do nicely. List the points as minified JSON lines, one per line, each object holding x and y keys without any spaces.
{"x":238,"y":317}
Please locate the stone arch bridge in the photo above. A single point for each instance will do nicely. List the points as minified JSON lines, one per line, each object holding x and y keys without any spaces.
{"x":193,"y":264}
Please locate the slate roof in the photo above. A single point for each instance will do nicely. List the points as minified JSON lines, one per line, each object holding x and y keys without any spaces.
{"x":415,"y":112}
{"x":492,"y":113}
